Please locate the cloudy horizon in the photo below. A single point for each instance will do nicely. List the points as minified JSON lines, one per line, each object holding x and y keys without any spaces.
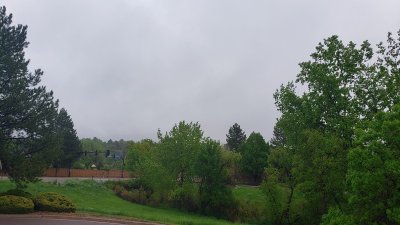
{"x":123,"y":69}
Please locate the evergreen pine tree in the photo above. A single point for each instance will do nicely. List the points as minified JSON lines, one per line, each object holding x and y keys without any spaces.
{"x":235,"y":137}
{"x":28,"y":140}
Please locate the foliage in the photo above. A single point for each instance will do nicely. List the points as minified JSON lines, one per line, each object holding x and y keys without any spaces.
{"x":231,"y":160}
{"x":53,"y":202}
{"x":215,"y":198}
{"x":235,"y":137}
{"x":254,"y":156}
{"x":134,"y":191}
{"x":274,"y":202}
{"x":346,"y":85}
{"x":335,"y":216}
{"x":177,"y":151}
{"x":71,"y":146}
{"x":281,"y":168}
{"x":28,"y":139}
{"x":106,"y":155}
{"x":17,"y":192}
{"x":322,"y":166}
{"x":143,"y":160}
{"x":183,"y":170}
{"x":91,"y":197}
{"x":278,"y":139}
{"x":15,"y":204}
{"x":179,"y":148}
{"x":374,"y":169}
{"x":138,"y":152}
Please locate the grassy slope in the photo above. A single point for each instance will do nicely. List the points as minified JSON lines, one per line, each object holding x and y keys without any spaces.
{"x":250,"y":194}
{"x":95,"y":198}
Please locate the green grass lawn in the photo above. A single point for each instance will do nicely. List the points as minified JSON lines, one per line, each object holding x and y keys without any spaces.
{"x":250,"y":194}
{"x":92,"y":197}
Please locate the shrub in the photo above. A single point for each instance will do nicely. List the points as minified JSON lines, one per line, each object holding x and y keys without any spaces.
{"x":219,"y":202}
{"x":17,"y":192}
{"x":53,"y":202}
{"x":185,"y":198}
{"x":139,"y":195}
{"x":249,"y":212}
{"x":15,"y":204}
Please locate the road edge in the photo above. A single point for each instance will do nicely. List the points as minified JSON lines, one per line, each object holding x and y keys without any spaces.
{"x":81,"y":216}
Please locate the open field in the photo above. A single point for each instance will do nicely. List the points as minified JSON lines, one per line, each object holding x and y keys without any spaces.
{"x":93,"y":197}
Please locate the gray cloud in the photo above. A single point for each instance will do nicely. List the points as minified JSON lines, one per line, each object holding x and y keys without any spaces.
{"x":122,"y":69}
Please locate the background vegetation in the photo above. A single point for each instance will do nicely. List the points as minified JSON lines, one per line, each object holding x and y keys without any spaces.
{"x":334,"y":157}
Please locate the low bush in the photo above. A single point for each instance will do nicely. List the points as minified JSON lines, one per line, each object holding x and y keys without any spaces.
{"x":17,"y":192}
{"x":140,"y":195}
{"x":53,"y":202}
{"x":249,"y":212}
{"x":219,"y":202}
{"x":15,"y":204}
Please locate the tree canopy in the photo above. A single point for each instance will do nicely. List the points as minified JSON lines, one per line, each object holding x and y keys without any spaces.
{"x":28,"y":112}
{"x":235,"y":137}
{"x":70,"y":143}
{"x":254,"y":155}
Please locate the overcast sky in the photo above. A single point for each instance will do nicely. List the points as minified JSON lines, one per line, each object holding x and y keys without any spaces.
{"x":123,"y":69}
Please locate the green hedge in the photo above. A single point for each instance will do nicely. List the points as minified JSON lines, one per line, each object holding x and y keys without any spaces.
{"x":18,"y":192}
{"x":15,"y":204}
{"x":53,"y":202}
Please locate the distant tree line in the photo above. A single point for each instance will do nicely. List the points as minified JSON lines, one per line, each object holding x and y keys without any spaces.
{"x":103,"y":155}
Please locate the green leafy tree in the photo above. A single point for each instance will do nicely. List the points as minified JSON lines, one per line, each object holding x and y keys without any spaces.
{"x":215,"y":198}
{"x":143,"y":160}
{"x":71,"y":145}
{"x":254,"y":156}
{"x":322,"y":166}
{"x":278,"y":139}
{"x":178,"y":150}
{"x":138,"y":153}
{"x":374,"y":170}
{"x":28,"y":139}
{"x":235,"y":137}
{"x":231,"y":161}
{"x":347,"y":85}
{"x":281,"y":169}
{"x":336,"y":216}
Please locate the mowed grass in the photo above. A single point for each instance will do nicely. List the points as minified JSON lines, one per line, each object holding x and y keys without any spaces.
{"x":92,"y":197}
{"x":250,"y":194}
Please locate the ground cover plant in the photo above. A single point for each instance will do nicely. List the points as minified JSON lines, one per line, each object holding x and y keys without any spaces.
{"x":15,"y":204}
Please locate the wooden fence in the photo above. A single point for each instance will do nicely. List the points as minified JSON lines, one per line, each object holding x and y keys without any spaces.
{"x":65,"y":172}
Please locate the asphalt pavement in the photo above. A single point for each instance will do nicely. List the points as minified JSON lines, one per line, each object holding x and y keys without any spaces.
{"x":54,"y":219}
{"x":63,"y":179}
{"x":47,"y":221}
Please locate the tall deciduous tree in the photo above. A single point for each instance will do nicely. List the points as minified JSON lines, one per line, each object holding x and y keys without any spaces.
{"x":235,"y":137}
{"x":215,"y":198}
{"x":374,"y":170}
{"x":179,"y":148}
{"x":70,"y":143}
{"x":347,"y":85}
{"x":28,"y":137}
{"x":254,"y":155}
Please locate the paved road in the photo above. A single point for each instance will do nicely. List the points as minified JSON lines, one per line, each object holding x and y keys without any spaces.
{"x":63,"y":179}
{"x":48,"y":221}
{"x":53,"y":219}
